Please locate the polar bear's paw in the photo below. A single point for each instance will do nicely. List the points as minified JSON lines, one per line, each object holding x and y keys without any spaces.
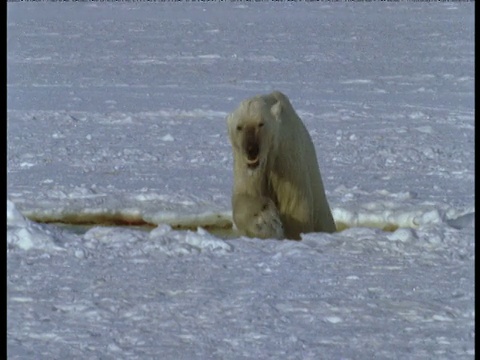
{"x":257,"y":217}
{"x":266,"y":223}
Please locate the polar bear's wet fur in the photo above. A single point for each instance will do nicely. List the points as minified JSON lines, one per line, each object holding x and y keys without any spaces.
{"x":278,"y":191}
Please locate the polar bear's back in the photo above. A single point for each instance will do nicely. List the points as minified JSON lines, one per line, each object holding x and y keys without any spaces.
{"x":299,"y":166}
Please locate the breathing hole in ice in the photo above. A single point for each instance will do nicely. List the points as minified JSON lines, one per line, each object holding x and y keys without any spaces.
{"x":388,"y":227}
{"x":219,"y":226}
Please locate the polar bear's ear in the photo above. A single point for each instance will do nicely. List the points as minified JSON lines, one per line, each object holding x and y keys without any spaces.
{"x":276,"y":110}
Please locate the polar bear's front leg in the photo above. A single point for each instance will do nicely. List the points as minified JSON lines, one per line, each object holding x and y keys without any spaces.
{"x":257,"y":216}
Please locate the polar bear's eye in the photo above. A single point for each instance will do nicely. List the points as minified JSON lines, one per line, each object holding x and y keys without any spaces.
{"x":239,"y":128}
{"x":261,"y":124}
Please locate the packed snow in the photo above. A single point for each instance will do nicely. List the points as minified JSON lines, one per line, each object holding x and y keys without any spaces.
{"x":116,"y":115}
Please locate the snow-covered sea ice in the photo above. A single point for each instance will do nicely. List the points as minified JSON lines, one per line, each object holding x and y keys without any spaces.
{"x":116,"y":116}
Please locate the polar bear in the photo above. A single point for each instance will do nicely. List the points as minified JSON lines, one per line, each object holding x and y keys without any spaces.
{"x":278,"y":191}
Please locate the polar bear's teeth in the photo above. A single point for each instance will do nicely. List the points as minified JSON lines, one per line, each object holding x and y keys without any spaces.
{"x":252,"y":164}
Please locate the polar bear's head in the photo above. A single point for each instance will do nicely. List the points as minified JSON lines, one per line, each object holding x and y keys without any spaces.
{"x":253,"y":129}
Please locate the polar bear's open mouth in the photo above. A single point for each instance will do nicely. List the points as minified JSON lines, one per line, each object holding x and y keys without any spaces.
{"x":253,"y":164}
